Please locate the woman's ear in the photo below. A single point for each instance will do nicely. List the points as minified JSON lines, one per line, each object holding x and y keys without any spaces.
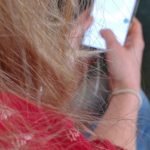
{"x":81,"y":25}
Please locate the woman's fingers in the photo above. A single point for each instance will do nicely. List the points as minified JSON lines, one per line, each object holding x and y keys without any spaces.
{"x":135,"y":36}
{"x":110,"y":39}
{"x":113,"y":46}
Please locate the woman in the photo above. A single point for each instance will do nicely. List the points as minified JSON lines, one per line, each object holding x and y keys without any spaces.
{"x":42,"y":67}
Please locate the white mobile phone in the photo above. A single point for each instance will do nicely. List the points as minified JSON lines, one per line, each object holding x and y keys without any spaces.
{"x":110,"y":14}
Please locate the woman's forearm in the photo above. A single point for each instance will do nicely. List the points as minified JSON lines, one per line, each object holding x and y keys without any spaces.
{"x":119,"y":122}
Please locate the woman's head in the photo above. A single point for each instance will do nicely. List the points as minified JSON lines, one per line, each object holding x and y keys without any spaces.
{"x":37,"y":60}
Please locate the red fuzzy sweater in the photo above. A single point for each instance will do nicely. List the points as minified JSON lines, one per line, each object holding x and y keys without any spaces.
{"x":26,"y":126}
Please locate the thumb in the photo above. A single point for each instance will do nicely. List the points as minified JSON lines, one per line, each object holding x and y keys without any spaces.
{"x":110,"y":39}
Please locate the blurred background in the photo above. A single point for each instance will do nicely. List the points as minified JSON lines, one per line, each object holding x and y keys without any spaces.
{"x":144,"y":16}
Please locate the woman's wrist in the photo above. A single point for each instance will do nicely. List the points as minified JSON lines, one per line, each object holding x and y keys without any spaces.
{"x":130,"y":85}
{"x":127,"y":91}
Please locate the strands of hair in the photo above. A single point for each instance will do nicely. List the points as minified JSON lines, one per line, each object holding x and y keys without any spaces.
{"x":37,"y":62}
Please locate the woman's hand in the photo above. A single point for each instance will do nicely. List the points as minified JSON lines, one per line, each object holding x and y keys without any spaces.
{"x":124,"y":63}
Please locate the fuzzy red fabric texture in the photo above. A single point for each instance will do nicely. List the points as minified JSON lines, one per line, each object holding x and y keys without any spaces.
{"x":24,"y":125}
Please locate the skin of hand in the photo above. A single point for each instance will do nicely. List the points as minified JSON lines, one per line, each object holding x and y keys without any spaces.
{"x":124,"y":62}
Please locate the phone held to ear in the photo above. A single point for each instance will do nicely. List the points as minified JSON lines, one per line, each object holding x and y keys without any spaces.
{"x":116,"y":15}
